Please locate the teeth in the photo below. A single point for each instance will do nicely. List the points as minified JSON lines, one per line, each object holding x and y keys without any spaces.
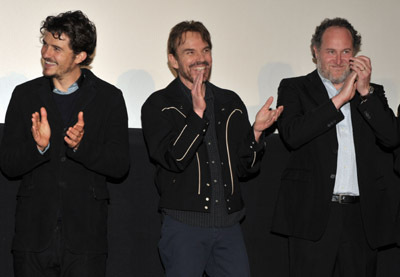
{"x":200,"y":68}
{"x":51,"y":63}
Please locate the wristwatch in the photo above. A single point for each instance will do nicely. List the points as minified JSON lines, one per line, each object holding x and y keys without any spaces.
{"x":365,"y":97}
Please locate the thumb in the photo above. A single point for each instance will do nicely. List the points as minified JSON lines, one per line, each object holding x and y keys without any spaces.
{"x":43,"y":114}
{"x":80,"y":119}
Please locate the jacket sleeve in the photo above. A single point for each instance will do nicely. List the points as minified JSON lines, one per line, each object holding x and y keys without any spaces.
{"x":250,"y":155}
{"x":249,"y":152}
{"x":172,"y":137}
{"x":108,"y":155}
{"x":18,"y":152}
{"x":375,"y":110}
{"x":303,"y":119}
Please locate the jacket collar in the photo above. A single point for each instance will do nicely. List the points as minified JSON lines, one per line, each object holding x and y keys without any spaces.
{"x":87,"y":92}
{"x":316,"y":88}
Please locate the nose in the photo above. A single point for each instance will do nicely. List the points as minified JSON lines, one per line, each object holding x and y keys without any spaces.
{"x":46,"y":52}
{"x":200,"y":57}
{"x":339,"y":59}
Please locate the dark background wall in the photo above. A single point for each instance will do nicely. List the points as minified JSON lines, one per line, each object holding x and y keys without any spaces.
{"x":134,"y":223}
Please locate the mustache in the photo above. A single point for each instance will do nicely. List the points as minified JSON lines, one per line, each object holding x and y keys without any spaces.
{"x":49,"y":60}
{"x":199,"y":63}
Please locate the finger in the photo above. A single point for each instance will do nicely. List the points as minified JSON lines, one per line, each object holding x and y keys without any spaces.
{"x":69,"y":141}
{"x":196,"y":85}
{"x":361,"y":63}
{"x":74,"y":133}
{"x":268,"y":103}
{"x":80,"y":122}
{"x":365,"y":59}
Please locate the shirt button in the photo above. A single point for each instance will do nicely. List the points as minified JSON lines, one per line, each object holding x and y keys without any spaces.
{"x":216,"y":201}
{"x":222,"y":163}
{"x":333,"y":176}
{"x":225,"y":185}
{"x":207,"y":199}
{"x":219,"y":122}
{"x":207,"y":184}
{"x":229,"y":208}
{"x":213,"y":162}
{"x":215,"y":181}
{"x":205,"y":207}
{"x":227,"y":200}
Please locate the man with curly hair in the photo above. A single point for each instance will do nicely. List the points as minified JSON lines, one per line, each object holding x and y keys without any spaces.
{"x":64,"y":134}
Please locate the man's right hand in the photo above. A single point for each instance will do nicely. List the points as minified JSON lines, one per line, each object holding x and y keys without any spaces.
{"x":348,"y":91}
{"x":41,"y":129}
{"x":198,"y":93}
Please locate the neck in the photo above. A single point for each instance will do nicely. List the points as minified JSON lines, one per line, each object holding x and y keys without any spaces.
{"x":338,"y":86}
{"x":63,"y":83}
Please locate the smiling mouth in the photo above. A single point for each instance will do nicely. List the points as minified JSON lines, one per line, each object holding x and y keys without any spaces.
{"x":49,"y":63}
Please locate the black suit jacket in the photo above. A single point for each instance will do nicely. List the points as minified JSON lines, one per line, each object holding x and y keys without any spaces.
{"x":308,"y":128}
{"x":62,"y":181}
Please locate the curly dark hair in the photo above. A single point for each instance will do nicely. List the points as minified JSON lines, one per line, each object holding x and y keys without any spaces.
{"x":176,"y":35}
{"x":80,"y":30}
{"x":316,"y":39}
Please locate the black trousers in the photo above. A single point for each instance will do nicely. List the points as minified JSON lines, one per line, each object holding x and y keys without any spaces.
{"x":188,"y":251}
{"x":342,"y":251}
{"x":58,"y":261}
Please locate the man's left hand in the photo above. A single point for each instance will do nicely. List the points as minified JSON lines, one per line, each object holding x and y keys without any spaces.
{"x":74,"y":134}
{"x":362,"y":66}
{"x":265,"y":118}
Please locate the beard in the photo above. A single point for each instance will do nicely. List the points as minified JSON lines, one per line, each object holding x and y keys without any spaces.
{"x":186,"y":74}
{"x":326,"y":73}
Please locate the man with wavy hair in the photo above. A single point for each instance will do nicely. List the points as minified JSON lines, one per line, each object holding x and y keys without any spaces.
{"x":64,"y":134}
{"x":334,"y":202}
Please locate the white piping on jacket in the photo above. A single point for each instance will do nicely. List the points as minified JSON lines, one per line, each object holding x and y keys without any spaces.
{"x":199,"y":169}
{"x":254,"y":159}
{"x":174,"y":108}
{"x":197,"y":154}
{"x":180,"y":134}
{"x":227,"y":146}
{"x":190,"y":146}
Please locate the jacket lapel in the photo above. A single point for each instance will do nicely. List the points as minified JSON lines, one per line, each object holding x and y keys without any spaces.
{"x":316,"y":88}
{"x":86,"y":95}
{"x":46,"y":94}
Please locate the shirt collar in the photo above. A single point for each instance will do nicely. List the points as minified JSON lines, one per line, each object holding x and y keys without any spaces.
{"x":74,"y":87}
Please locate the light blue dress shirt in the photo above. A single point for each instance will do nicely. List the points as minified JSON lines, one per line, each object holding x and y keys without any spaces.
{"x":346,"y":181}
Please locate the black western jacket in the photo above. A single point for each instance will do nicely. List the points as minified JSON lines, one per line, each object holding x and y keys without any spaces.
{"x":174,"y":136}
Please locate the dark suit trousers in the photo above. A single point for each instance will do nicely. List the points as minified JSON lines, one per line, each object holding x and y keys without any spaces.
{"x":58,"y":261}
{"x":342,"y":251}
